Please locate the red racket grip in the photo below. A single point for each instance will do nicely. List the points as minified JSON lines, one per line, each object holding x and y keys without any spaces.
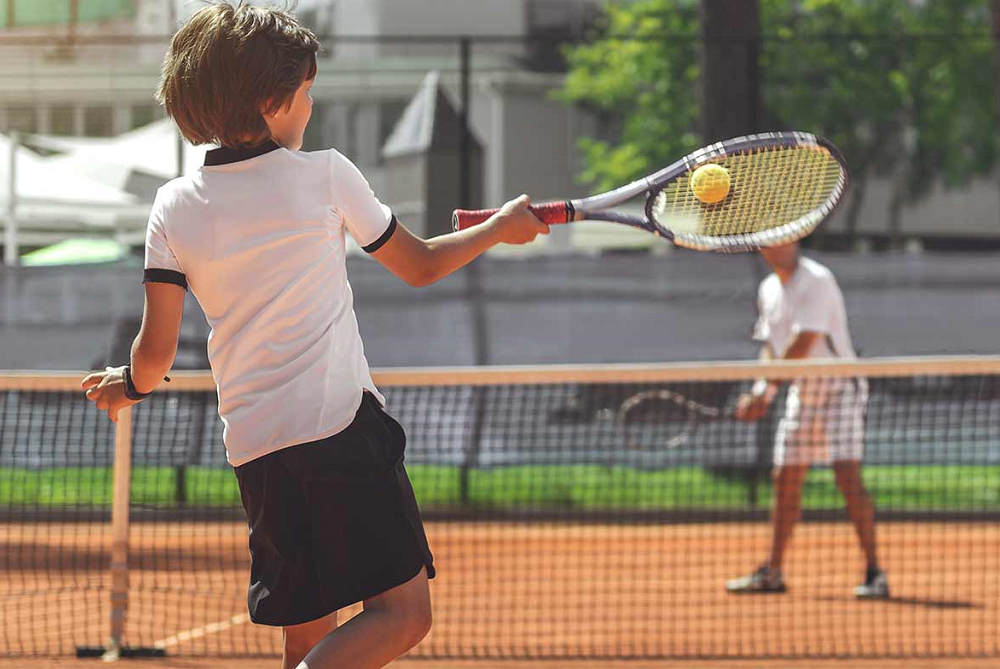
{"x":550,"y":212}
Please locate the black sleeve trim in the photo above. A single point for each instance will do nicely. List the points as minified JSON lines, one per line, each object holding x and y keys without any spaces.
{"x":165,"y":276}
{"x":380,"y":242}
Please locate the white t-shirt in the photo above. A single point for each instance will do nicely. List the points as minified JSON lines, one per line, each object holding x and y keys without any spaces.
{"x":811,"y":301}
{"x":258,"y":235}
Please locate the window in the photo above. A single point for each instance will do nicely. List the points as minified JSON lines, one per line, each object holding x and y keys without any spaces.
{"x":143,"y":115}
{"x":389,"y":114}
{"x":62,"y":120}
{"x":317,"y":136}
{"x":21,"y":119}
{"x":19,"y":13}
{"x":98,"y":121}
{"x":562,"y":16}
{"x":552,"y":21}
{"x":319,"y":19}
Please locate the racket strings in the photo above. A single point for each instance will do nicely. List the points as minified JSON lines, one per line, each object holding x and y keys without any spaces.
{"x":769,"y":188}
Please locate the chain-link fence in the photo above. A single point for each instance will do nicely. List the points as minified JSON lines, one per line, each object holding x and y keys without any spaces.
{"x":93,"y":147}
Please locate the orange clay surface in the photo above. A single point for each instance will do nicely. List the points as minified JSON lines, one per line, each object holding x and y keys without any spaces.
{"x":536,"y":591}
{"x":275,"y":663}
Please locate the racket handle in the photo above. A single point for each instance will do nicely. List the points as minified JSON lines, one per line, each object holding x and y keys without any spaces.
{"x":550,"y":213}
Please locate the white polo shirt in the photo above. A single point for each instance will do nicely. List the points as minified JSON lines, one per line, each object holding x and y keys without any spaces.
{"x":258,"y":236}
{"x":811,"y":301}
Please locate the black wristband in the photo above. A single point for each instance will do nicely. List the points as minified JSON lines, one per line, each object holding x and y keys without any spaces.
{"x":130,"y":391}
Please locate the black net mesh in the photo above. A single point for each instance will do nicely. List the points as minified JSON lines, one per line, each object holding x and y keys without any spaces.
{"x":599,"y":519}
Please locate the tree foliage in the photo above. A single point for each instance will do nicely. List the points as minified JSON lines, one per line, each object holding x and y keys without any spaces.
{"x":906,"y":89}
{"x":642,"y":84}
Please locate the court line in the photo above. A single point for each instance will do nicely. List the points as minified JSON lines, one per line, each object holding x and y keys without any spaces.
{"x":198,"y":632}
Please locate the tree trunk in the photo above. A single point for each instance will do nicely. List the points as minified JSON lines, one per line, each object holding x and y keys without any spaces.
{"x":730,"y":68}
{"x":995,"y":20}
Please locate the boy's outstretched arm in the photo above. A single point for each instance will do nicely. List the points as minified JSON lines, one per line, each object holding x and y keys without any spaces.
{"x":153,"y":351}
{"x":421,"y":262}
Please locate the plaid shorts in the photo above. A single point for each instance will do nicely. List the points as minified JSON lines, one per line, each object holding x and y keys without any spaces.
{"x":824,"y":422}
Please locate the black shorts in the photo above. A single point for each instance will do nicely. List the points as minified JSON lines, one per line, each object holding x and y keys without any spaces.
{"x":332,"y":522}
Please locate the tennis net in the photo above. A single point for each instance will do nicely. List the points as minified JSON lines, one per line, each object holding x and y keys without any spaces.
{"x":574,"y":512}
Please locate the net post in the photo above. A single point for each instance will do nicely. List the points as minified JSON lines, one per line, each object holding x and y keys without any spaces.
{"x":473,"y":442}
{"x":120,"y":533}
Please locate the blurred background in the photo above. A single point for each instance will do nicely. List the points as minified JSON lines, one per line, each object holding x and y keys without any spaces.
{"x":568,"y":523}
{"x":449,"y":102}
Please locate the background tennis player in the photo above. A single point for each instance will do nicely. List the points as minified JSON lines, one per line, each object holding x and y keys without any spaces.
{"x":801,"y":314}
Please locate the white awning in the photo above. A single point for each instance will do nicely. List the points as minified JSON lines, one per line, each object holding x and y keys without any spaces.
{"x":151,"y":151}
{"x":37,"y":181}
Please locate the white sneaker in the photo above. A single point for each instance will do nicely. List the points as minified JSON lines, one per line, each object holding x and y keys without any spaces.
{"x":764,"y":580}
{"x":876,"y":586}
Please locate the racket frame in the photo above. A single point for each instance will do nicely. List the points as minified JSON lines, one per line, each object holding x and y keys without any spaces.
{"x":599,"y":207}
{"x":695,"y":413}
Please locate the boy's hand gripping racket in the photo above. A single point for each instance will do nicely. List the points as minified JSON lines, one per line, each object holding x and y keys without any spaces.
{"x":738,"y":195}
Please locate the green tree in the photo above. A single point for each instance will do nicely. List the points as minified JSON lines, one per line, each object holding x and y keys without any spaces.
{"x":907,"y":90}
{"x":640,"y":78}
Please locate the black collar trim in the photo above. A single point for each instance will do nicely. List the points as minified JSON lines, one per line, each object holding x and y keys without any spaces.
{"x":226,"y":155}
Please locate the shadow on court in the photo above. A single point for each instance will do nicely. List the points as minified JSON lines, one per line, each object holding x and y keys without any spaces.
{"x":911,"y":601}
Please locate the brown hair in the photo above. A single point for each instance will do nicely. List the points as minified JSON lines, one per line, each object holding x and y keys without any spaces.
{"x":228,"y":65}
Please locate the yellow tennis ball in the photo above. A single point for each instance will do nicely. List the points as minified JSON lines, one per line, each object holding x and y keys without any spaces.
{"x":710,"y":183}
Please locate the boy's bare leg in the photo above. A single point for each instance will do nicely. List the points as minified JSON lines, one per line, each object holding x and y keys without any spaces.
{"x":788,"y":480}
{"x":859,"y":506}
{"x":300,"y":639}
{"x":390,"y":625}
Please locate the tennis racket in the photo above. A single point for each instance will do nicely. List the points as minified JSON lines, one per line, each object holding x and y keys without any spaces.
{"x":773,"y":188}
{"x":664,"y":418}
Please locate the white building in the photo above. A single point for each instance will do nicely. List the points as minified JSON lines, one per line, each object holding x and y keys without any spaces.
{"x":62,"y":78}
{"x":529,"y":139}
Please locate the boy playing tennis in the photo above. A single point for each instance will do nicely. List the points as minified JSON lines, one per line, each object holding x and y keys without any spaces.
{"x":802,"y":315}
{"x":258,"y":234}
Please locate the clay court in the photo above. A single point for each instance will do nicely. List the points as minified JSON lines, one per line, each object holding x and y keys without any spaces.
{"x":272,"y":663}
{"x":538,"y":591}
